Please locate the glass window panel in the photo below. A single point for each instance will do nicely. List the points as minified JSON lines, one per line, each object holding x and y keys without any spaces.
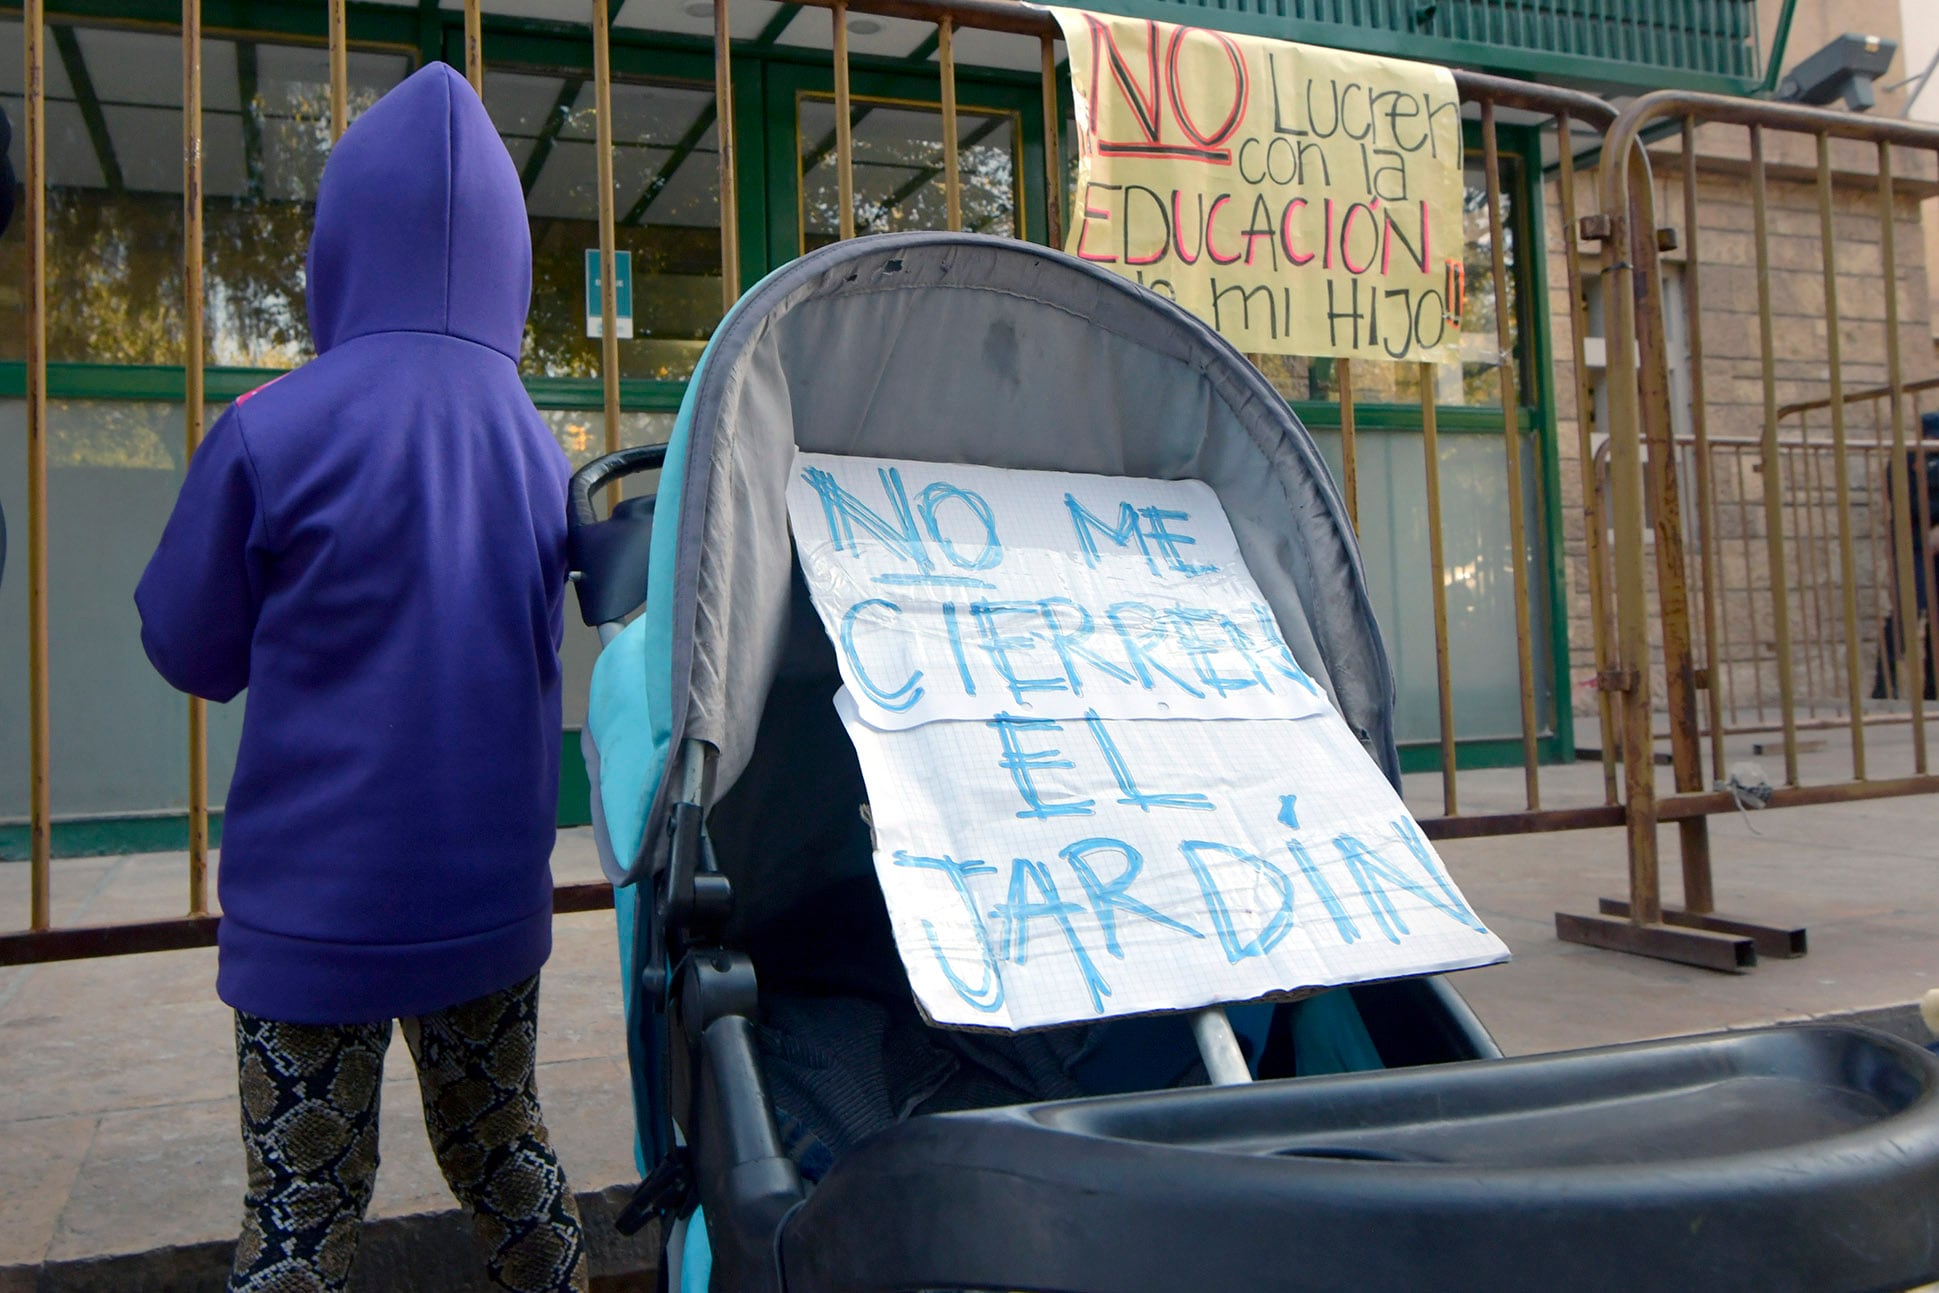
{"x":114,"y":207}
{"x":114,"y":204}
{"x":582,"y":434}
{"x":666,"y":189}
{"x":120,"y":734}
{"x":519,"y":105}
{"x":291,"y":85}
{"x":71,"y":160}
{"x":132,"y":67}
{"x":147,"y":146}
{"x":899,"y":180}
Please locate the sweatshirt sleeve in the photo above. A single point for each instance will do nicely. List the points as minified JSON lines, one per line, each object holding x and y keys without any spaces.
{"x":199,"y":596}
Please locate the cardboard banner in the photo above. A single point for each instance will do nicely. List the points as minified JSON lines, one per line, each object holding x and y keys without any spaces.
{"x":1052,"y":853}
{"x":1301,"y":200}
{"x":953,"y":591}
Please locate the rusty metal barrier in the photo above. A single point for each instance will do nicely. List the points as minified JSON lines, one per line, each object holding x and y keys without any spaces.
{"x":1646,"y":481}
{"x":1685,"y":642}
{"x":1559,"y":109}
{"x":193,"y":413}
{"x":39,"y":730}
{"x":41,"y":941}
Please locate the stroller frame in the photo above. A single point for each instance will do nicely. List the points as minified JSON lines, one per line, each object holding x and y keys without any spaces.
{"x":1810,"y":1155}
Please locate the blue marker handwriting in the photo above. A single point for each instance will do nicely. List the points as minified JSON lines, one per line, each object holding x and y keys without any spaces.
{"x":909,"y":528}
{"x":956,"y":591}
{"x":1053,"y":646}
{"x":1052,"y":849}
{"x":1078,"y":896}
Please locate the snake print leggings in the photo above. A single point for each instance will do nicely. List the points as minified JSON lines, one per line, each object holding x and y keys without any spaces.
{"x":309,"y":1127}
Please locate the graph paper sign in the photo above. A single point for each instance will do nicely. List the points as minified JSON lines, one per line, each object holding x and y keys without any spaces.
{"x":1044,"y":868}
{"x":1301,"y":200}
{"x":1043,"y":872}
{"x":952,"y":592}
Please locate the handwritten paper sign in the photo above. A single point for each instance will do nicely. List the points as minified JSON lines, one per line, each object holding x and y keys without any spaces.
{"x":954,"y":591}
{"x":1084,"y":860}
{"x":1300,"y":200}
{"x":1041,"y":872}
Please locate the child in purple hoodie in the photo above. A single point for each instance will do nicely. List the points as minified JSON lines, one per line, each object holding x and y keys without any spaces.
{"x":374,"y":546}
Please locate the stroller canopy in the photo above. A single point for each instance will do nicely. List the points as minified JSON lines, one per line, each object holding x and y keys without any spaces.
{"x":964,"y":349}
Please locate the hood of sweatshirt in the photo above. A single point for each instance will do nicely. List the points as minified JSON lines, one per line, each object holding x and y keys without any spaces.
{"x":420,"y":223}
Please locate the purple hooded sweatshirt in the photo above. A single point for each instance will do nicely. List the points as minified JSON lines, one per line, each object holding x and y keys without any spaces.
{"x":374,"y":545}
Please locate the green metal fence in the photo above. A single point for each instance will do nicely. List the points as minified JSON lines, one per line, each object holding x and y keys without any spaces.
{"x":1713,"y":45}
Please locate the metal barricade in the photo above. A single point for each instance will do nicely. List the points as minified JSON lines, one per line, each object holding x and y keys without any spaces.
{"x":1680,"y":635}
{"x":1832,"y":634}
{"x":1487,"y":96}
{"x":1671,"y":516}
{"x":42,"y":940}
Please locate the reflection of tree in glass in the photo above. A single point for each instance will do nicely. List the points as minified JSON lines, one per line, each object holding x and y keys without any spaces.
{"x":579,"y":434}
{"x":667,"y":217}
{"x":1481,"y":384}
{"x":114,"y":269}
{"x":899,"y":172}
{"x":114,"y":284}
{"x":115,"y":433}
{"x":114,"y":279}
{"x":676,"y":299}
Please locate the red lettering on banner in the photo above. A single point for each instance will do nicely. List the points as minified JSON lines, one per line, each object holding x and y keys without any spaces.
{"x":1210,"y":217}
{"x":1286,"y":233}
{"x":1211,"y":143}
{"x":1146,"y":100}
{"x":1164,"y":242}
{"x":1092,"y":213}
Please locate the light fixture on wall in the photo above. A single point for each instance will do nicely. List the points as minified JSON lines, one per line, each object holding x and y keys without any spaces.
{"x":1844,"y":69}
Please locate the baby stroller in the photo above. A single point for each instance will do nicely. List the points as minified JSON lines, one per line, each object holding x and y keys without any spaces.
{"x":800,"y":1127}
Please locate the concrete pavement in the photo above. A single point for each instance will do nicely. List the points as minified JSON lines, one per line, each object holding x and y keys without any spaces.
{"x":120,"y":1164}
{"x":1862,"y":877}
{"x":118,"y":1118}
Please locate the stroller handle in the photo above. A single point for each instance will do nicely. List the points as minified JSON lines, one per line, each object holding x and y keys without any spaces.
{"x":604,"y":470}
{"x":610,"y":559}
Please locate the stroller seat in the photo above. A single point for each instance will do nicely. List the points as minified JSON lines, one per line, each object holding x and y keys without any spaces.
{"x":1770,"y":1160}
